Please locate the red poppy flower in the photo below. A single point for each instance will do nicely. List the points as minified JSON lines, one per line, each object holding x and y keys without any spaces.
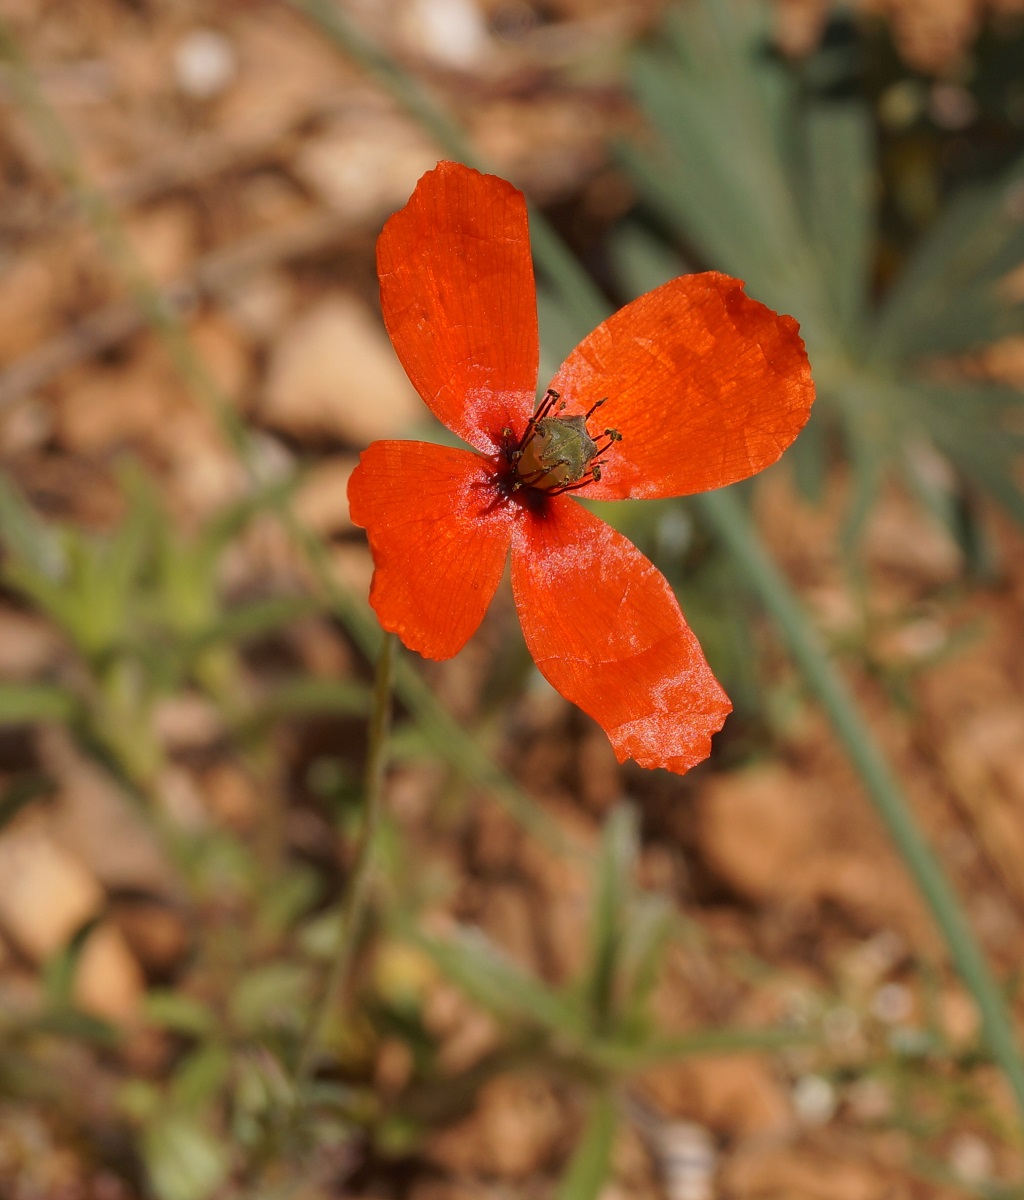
{"x":692,"y":386}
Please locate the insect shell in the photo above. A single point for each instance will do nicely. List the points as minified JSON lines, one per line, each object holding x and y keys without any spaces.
{"x":559,"y":452}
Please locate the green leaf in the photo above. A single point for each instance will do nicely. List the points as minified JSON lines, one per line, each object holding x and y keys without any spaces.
{"x":200,"y":1076}
{"x":180,"y":1012}
{"x":27,"y":539}
{"x":946,"y":298}
{"x":642,"y":261}
{"x":23,"y":703}
{"x":840,"y":188}
{"x":978,"y":427}
{"x":307,"y":696}
{"x":612,"y":895}
{"x":591,"y":1163}
{"x":652,"y":920}
{"x":495,"y":982}
{"x":560,"y":334}
{"x":271,"y":996}
{"x":185,"y":1160}
{"x":60,"y":971}
{"x":624,"y":1058}
{"x":255,"y":619}
{"x":717,"y":176}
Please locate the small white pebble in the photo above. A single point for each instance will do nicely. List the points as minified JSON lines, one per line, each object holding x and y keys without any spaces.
{"x":452,"y":31}
{"x":814,"y":1099}
{"x":205,"y":63}
{"x":971,"y":1159}
{"x":686,"y":1159}
{"x":892,"y":1003}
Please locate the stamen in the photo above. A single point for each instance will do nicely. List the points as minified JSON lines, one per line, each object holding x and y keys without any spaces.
{"x":551,"y":398}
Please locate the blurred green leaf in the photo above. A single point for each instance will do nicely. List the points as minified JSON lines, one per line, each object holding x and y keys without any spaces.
{"x":185,"y":1159}
{"x":947,"y":299}
{"x":641,"y":261}
{"x":769,"y":169}
{"x":629,"y":1057}
{"x":200,"y":1076}
{"x":488,"y":976}
{"x":612,"y":897}
{"x":275,"y":995}
{"x":23,"y":703}
{"x":591,"y":1163}
{"x":180,"y":1012}
{"x":839,"y":188}
{"x":61,"y":969}
{"x":27,"y":539}
{"x":245,"y":622}
{"x":652,"y":920}
{"x":308,"y":696}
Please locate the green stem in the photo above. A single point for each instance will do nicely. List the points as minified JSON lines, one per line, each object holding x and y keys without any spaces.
{"x":726,"y":516}
{"x":723,"y":511}
{"x":353,"y":907}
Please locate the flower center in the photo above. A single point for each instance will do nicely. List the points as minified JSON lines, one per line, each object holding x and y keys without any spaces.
{"x":557,"y":454}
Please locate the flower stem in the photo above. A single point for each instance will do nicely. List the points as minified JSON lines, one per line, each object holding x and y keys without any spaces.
{"x":353,"y":905}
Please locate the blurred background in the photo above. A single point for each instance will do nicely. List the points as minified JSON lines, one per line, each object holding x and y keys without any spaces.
{"x":573,"y":978}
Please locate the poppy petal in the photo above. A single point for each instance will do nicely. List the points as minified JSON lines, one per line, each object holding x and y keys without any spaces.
{"x":439,"y":542}
{"x":459,"y":301}
{"x":606,"y":630}
{"x":704,"y":385}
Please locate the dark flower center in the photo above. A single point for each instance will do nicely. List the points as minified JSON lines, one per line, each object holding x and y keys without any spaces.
{"x":556,"y":454}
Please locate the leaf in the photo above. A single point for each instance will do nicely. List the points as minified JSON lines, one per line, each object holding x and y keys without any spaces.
{"x":628,"y":1057}
{"x":591,"y":1163}
{"x":979,"y":428}
{"x":839,"y":196}
{"x":312,"y":697}
{"x":271,"y":996}
{"x":23,"y":703}
{"x":946,"y":298}
{"x":184,"y":1159}
{"x":200,"y":1076}
{"x":652,"y":920}
{"x":245,"y":622}
{"x":28,"y":540}
{"x":612,"y":895}
{"x":560,"y":333}
{"x":642,"y":261}
{"x":495,"y":982}
{"x":61,"y":969}
{"x":180,"y":1012}
{"x":717,"y":175}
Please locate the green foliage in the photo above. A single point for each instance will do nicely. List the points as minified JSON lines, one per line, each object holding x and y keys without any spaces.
{"x":771,"y":171}
{"x":592,"y":1161}
{"x":598,"y":1024}
{"x":143,"y":607}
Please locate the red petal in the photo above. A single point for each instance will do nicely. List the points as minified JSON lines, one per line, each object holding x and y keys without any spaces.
{"x":457,"y":292}
{"x":606,"y":631}
{"x":705,"y":385}
{"x":439,"y":542}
